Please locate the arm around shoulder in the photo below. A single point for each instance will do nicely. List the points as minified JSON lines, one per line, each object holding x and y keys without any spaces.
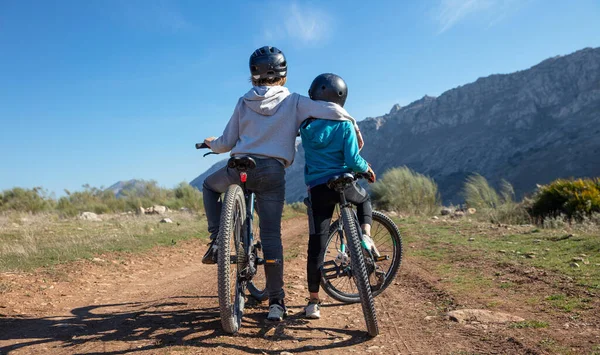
{"x":307,"y":108}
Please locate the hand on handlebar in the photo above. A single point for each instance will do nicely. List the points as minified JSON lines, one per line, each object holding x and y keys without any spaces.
{"x":208,"y":140}
{"x":372,"y":177}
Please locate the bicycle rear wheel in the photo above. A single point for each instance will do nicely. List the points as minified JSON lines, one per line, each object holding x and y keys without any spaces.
{"x":387,"y":239}
{"x":231,"y":258}
{"x":359,"y":271}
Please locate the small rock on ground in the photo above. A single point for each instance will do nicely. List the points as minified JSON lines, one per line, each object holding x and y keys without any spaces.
{"x":166,"y":220}
{"x":89,"y":216}
{"x":483,"y":316}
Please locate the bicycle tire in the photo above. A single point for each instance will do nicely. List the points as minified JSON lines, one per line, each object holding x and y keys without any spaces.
{"x":359,"y":271}
{"x":387,"y":225}
{"x":257,"y":286}
{"x":231,"y":302}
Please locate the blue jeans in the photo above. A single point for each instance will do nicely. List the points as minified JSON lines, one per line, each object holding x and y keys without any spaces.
{"x":267,"y":181}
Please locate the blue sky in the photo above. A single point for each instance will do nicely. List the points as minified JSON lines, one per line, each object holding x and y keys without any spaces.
{"x":100,"y":91}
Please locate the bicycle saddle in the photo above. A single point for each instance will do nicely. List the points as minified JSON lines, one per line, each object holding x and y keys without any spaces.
{"x":241,"y":163}
{"x":339,"y":182}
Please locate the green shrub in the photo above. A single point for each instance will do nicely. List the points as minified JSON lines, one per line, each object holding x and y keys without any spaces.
{"x":26,"y":200}
{"x":140,"y":194}
{"x":493,"y":206}
{"x":403,"y":190}
{"x":479,"y":194}
{"x":187,"y":196}
{"x":575,"y":199}
{"x":91,"y":199}
{"x":508,"y":213}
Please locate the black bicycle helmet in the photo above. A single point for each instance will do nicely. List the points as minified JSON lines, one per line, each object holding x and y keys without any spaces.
{"x":268,"y":62}
{"x":329,"y":87}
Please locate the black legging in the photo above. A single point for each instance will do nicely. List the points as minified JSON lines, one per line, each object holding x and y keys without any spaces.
{"x":321,"y":204}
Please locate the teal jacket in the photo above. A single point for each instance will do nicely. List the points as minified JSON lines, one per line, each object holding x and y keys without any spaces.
{"x":330,"y":148}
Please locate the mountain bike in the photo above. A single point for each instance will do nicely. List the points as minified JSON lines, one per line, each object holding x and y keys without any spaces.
{"x":355,"y":265}
{"x":239,"y":254}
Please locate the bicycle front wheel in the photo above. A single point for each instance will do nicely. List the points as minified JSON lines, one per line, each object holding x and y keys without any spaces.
{"x":387,"y":239}
{"x":359,"y":271}
{"x":231,"y":258}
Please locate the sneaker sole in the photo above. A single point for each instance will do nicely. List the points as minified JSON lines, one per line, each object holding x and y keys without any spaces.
{"x":274,"y":320}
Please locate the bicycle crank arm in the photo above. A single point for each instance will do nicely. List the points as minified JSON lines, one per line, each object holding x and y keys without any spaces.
{"x":383,"y":258}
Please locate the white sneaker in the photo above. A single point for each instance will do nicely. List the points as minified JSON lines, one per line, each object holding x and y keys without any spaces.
{"x":276,"y":312}
{"x":313,"y":309}
{"x":371,"y":245}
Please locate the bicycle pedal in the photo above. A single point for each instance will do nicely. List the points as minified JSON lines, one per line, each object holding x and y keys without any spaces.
{"x":382,"y":258}
{"x":331,"y":273}
{"x":272,"y":261}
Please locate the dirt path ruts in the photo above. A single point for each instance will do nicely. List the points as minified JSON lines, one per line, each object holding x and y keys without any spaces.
{"x":164,"y":301}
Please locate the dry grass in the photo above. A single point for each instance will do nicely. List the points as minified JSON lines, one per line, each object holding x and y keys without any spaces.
{"x":30,"y":241}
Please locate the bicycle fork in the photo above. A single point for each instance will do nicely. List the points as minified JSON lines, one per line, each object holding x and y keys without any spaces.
{"x":340,"y":266}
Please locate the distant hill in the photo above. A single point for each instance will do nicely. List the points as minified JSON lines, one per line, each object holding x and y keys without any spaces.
{"x":528,"y":127}
{"x":130,"y":185}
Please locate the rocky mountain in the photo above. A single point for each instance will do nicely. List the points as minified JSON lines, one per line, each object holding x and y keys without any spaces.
{"x":528,"y":127}
{"x":130,"y":185}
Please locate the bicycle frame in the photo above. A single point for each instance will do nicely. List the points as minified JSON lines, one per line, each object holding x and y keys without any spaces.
{"x":250,"y":198}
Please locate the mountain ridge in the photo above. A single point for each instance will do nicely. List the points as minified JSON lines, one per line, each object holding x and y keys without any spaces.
{"x":531,"y":126}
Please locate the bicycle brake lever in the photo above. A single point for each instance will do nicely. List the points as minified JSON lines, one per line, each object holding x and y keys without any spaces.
{"x":209,"y":153}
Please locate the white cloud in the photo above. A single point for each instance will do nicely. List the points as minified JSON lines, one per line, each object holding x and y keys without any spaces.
{"x":306,"y":24}
{"x":303,"y":23}
{"x":450,"y":12}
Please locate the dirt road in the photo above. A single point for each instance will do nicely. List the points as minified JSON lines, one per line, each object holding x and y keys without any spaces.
{"x":164,"y":302}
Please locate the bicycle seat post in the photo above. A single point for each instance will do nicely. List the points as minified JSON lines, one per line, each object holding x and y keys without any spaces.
{"x":340,"y":183}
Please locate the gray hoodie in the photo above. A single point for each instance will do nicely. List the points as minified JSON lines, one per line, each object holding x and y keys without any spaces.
{"x":266,"y":121}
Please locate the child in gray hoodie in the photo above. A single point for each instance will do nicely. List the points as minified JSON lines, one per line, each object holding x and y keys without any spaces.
{"x":264,"y":125}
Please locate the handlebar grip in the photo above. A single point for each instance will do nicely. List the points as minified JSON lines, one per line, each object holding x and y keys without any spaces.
{"x":201,"y":146}
{"x":362,"y":176}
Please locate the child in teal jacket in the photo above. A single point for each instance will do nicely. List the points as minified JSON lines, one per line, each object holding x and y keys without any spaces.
{"x":330,"y":149}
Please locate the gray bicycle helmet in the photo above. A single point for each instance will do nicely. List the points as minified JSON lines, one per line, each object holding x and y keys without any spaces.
{"x":329,"y":87}
{"x":268,"y":62}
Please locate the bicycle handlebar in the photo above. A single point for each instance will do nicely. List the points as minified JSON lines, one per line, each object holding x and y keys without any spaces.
{"x":362,"y":176}
{"x":204,"y":146}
